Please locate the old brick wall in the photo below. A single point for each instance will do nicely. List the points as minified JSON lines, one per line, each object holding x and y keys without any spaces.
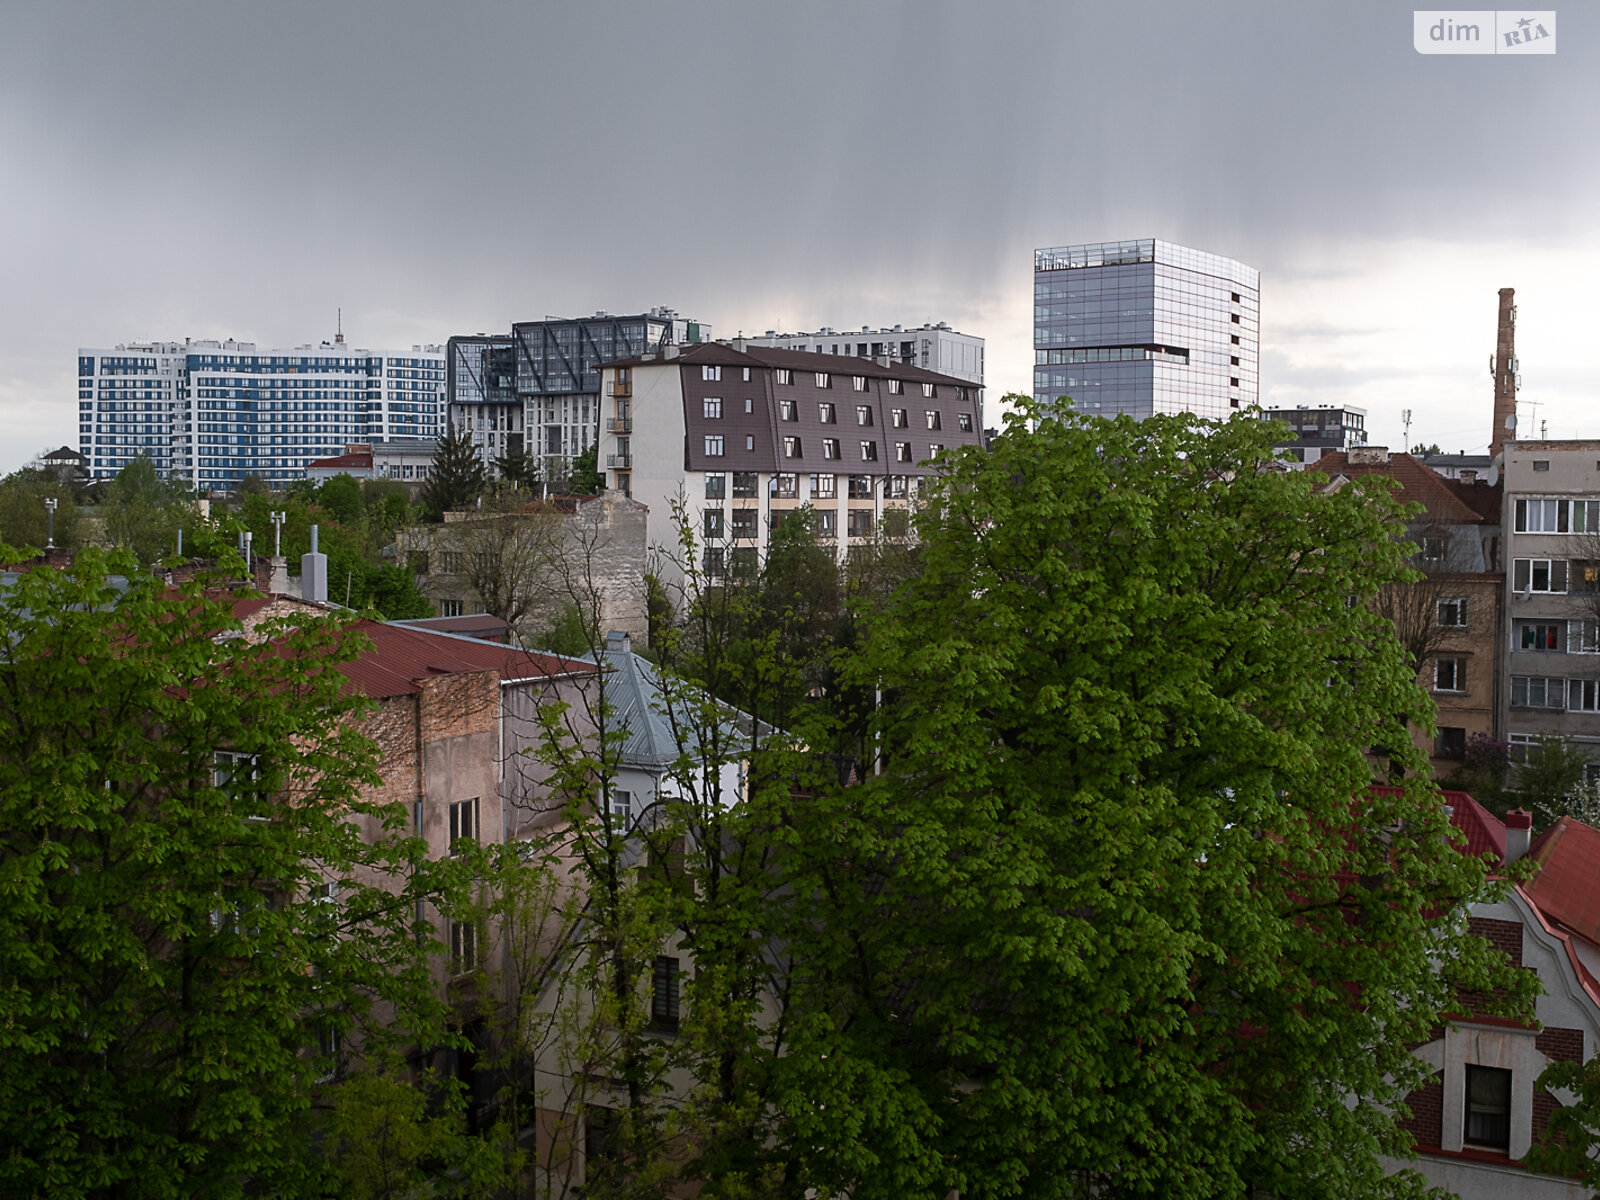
{"x":1426,"y":1122}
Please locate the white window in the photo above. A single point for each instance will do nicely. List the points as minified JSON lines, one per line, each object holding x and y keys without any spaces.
{"x":788,"y":410}
{"x":933,"y":418}
{"x":827,"y":414}
{"x":621,"y":808}
{"x":859,"y":382}
{"x":1539,"y":574}
{"x":1450,"y":675}
{"x":823,"y":486}
{"x":749,"y":404}
{"x":713,"y":445}
{"x":897,"y":418}
{"x":869,"y":451}
{"x":1583,"y":637}
{"x":785,"y":375}
{"x":791,"y":447}
{"x":824,"y":379}
{"x":929,"y":390}
{"x":1540,"y":636}
{"x":1453,"y":612}
{"x":463,"y":823}
{"x":830,"y":447}
{"x":935,"y":448}
{"x":897,"y":387}
{"x":449,"y":608}
{"x":863,"y":414}
{"x":747,"y":374}
{"x":902,"y":452}
{"x":711,"y":374}
{"x":1584,"y":695}
{"x":964,"y":422}
{"x":1537,"y":691}
{"x":749,"y":441}
{"x":713,"y":408}
{"x":463,"y":947}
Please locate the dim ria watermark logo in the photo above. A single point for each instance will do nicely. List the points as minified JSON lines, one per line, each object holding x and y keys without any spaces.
{"x":1484,"y":32}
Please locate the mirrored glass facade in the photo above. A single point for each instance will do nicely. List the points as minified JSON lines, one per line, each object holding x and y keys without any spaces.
{"x":1144,"y":327}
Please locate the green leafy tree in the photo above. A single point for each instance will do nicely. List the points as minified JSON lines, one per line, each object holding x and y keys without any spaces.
{"x":586,"y":478}
{"x":196,"y":928}
{"x":23,"y":517}
{"x":457,"y":477}
{"x":144,"y":512}
{"x":1120,"y":882}
{"x":341,"y":496}
{"x":1551,"y":768}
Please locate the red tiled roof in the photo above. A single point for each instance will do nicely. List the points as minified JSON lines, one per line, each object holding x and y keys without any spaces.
{"x":402,"y":656}
{"x":1444,"y":500}
{"x":1567,"y":887}
{"x":363,"y":460}
{"x":1486,"y":834}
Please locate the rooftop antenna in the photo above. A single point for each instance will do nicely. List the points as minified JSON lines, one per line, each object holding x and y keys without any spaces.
{"x":1405,"y":419}
{"x":338,"y":338}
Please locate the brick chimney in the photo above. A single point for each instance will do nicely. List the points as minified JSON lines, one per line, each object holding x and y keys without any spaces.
{"x":1504,"y":369}
{"x":1519,"y":830}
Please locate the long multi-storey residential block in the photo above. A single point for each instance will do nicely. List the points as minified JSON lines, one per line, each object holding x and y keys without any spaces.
{"x":536,"y":390}
{"x":1145,"y":327}
{"x":209,"y":413}
{"x":747,"y":434}
{"x":935,"y":347}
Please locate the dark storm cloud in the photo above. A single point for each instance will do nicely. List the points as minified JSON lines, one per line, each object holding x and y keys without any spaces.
{"x":244,"y":169}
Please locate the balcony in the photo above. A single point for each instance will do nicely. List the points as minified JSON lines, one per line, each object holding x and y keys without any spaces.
{"x":619,"y":424}
{"x":620,"y":461}
{"x":621,"y":390}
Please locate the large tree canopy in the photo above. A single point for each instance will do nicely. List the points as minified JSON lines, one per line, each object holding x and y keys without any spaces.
{"x":198,"y":907}
{"x":1119,"y":916}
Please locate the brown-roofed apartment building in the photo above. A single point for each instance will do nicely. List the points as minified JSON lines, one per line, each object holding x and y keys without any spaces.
{"x":746,"y":434}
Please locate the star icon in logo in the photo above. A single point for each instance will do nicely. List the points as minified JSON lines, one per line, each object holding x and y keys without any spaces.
{"x":1525,"y":22}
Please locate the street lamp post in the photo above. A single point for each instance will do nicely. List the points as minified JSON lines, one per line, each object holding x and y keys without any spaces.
{"x":50,"y":534}
{"x":278,"y":521}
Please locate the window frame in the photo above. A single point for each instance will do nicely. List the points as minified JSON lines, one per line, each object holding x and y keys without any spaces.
{"x":714,"y":445}
{"x":1504,"y":1081}
{"x":711,"y":408}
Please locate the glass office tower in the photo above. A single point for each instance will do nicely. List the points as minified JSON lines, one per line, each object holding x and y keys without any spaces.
{"x":1145,"y":327}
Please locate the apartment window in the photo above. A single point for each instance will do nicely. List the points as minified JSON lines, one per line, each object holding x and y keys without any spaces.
{"x":895,"y":487}
{"x":860,"y":523}
{"x":602,"y":1134}
{"x":824,"y":379}
{"x":1583,"y":637}
{"x":935,"y":448}
{"x":1537,"y":691}
{"x":463,"y":947}
{"x":1233,"y":381}
{"x":863,"y":414}
{"x":1234,"y":338}
{"x":1539,"y":574}
{"x":713,"y":408}
{"x":828,"y":524}
{"x":744,"y":485}
{"x":858,"y":382}
{"x":1450,"y":675}
{"x":1542,"y":516}
{"x":1433,"y":547}
{"x":450,"y":562}
{"x":716,"y":486}
{"x":830,"y":447}
{"x":1233,"y":360}
{"x":791,"y":447}
{"x":749,"y":404}
{"x":1451,"y":742}
{"x":747,"y":374}
{"x":964,"y":422}
{"x":860,"y":487}
{"x":784,"y":375}
{"x":1539,"y":635}
{"x":664,"y":994}
{"x":1236,"y":297}
{"x":1453,"y":612}
{"x":933,"y":418}
{"x":749,"y":441}
{"x":713,"y":445}
{"x":1234,"y":318}
{"x":785,"y":487}
{"x":1583,"y":695}
{"x":711,"y":374}
{"x":826,"y":414}
{"x":715,"y":562}
{"x":1488,"y":1109}
{"x":869,"y":451}
{"x":463,"y":823}
{"x":449,"y":608}
{"x":897,"y":418}
{"x":621,"y":808}
{"x":744,"y":523}
{"x":713,"y":522}
{"x":788,"y":410}
{"x":230,"y":768}
{"x":822,"y":487}
{"x":929,"y":391}
{"x":1541,"y":464}
{"x":897,"y":387}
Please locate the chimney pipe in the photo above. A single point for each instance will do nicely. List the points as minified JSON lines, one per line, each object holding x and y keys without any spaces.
{"x":314,"y":574}
{"x":1503,"y":429}
{"x":1519,"y":833}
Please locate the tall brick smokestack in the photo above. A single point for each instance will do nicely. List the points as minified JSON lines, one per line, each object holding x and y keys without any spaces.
{"x":1504,"y":369}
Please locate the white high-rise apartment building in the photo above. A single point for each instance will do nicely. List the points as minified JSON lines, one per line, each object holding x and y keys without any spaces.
{"x":210,"y":413}
{"x":931,"y":347}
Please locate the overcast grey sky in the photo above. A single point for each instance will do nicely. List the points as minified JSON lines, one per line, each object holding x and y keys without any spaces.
{"x":233,"y":169}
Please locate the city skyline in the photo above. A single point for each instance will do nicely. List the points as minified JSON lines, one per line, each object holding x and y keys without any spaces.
{"x":1385,"y":196}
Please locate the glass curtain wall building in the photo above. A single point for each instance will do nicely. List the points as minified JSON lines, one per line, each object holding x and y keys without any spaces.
{"x":537,"y":390}
{"x":1145,"y":327}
